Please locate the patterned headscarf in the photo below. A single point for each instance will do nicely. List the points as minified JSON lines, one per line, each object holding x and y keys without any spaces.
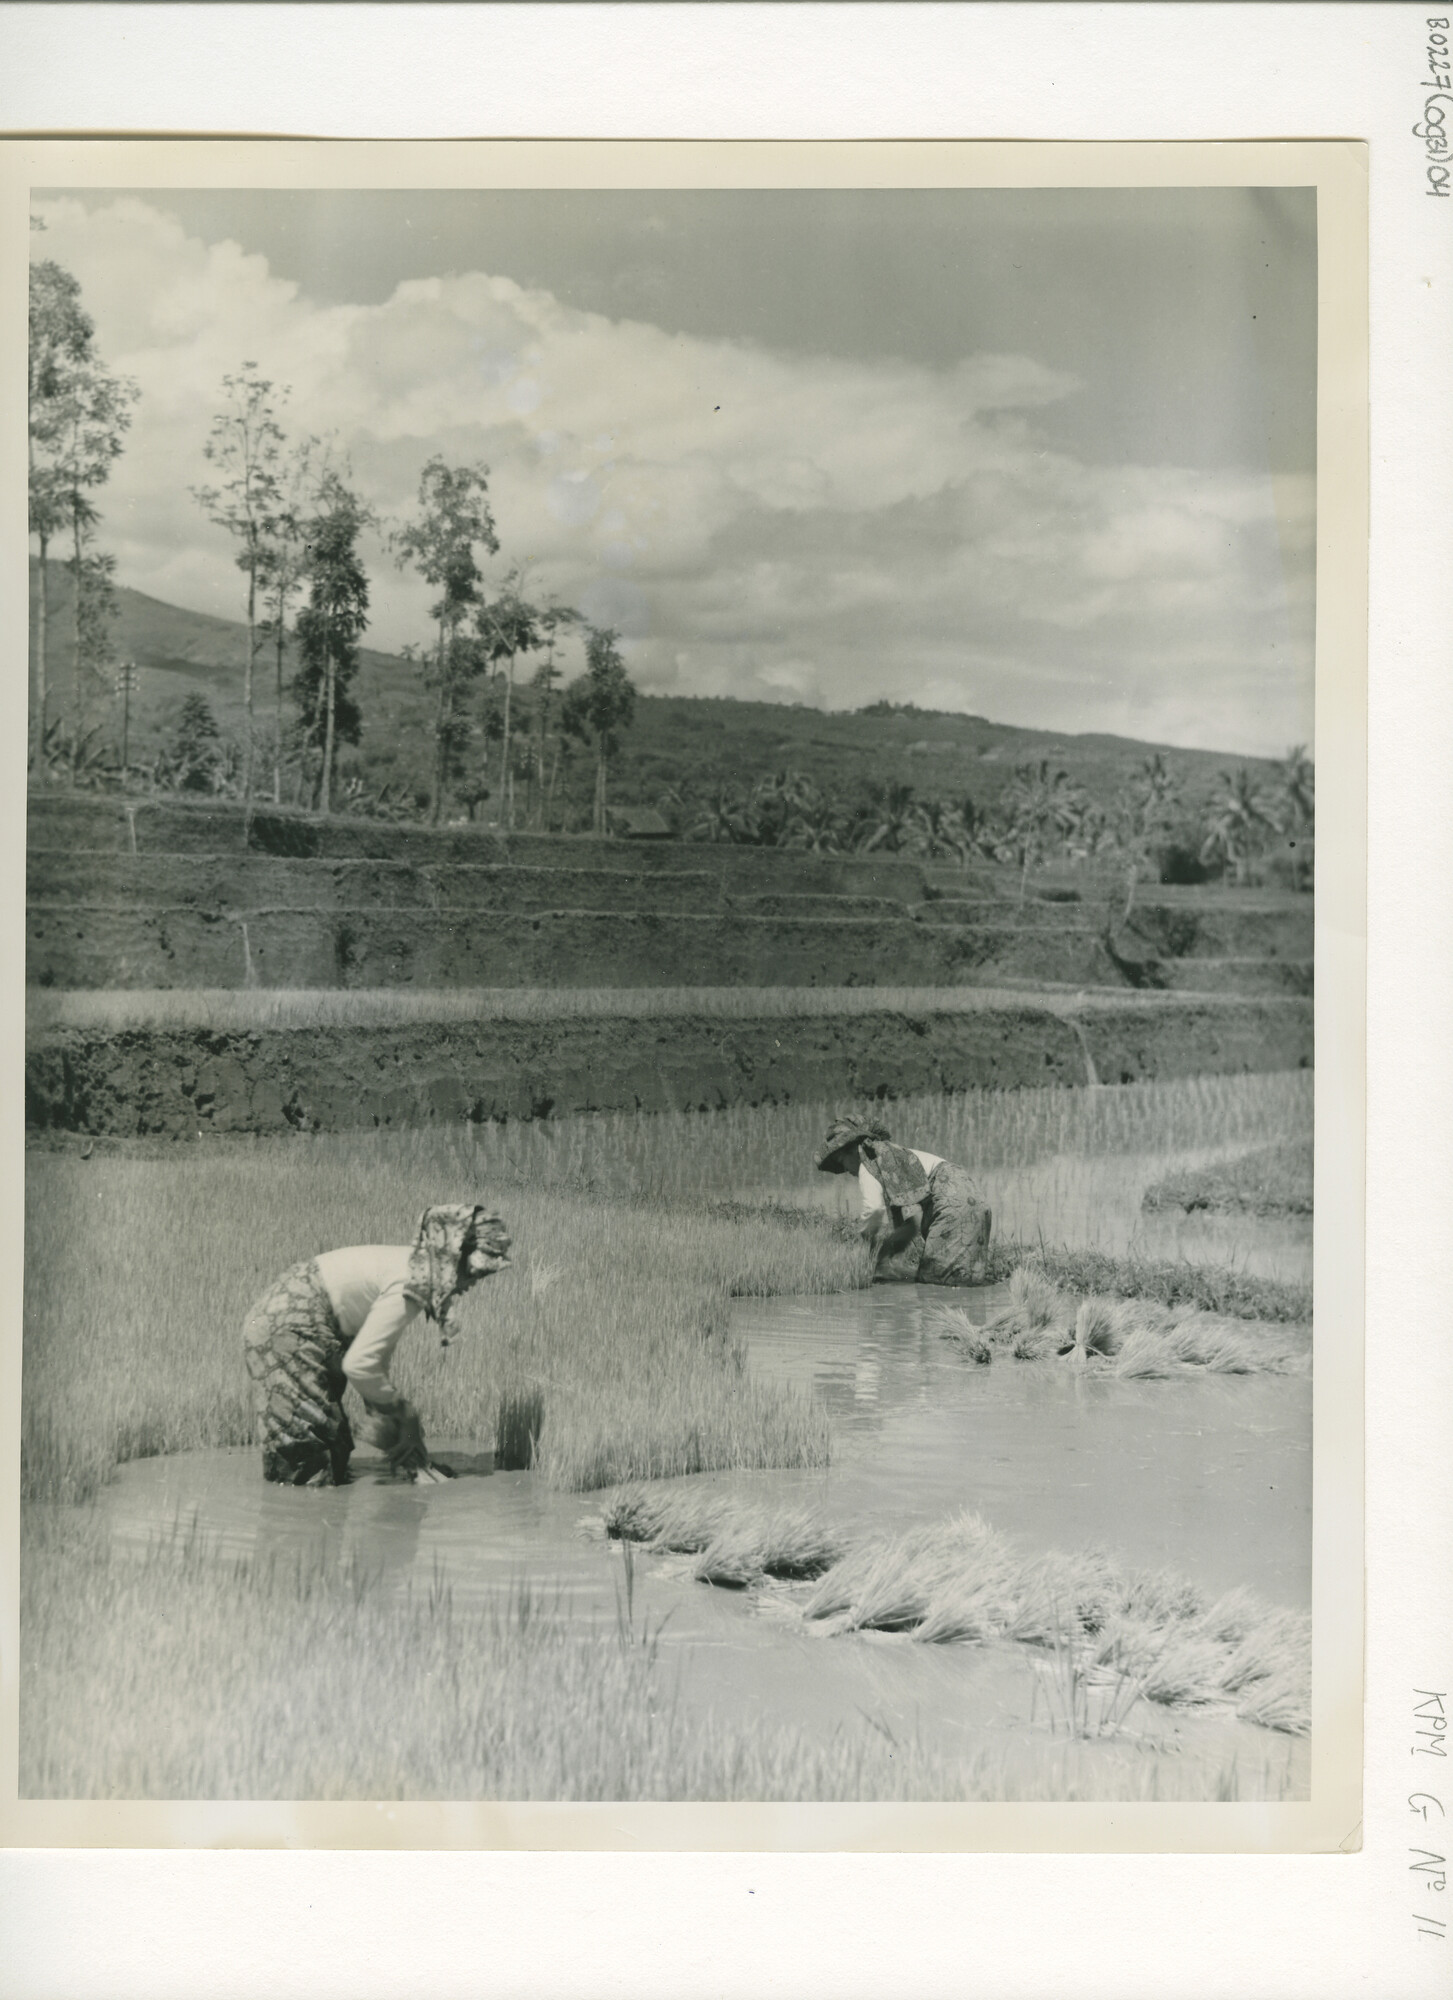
{"x":445,"y":1237}
{"x":899,"y":1171}
{"x":842,"y":1133}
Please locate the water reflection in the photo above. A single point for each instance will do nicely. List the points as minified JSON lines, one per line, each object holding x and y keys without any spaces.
{"x":1209,"y":1475}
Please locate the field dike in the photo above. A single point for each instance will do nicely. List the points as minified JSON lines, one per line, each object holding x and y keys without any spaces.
{"x":377,"y":1073}
{"x":164,"y":895}
{"x":153,"y":827}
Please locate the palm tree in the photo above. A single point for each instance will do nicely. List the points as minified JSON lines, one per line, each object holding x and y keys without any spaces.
{"x":1042,"y":808}
{"x":1144,"y":821}
{"x":1238,"y":821}
{"x":1297,"y":782}
{"x":890,"y":820}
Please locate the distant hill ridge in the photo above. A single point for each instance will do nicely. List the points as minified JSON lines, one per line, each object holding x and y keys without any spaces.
{"x":684,"y":742}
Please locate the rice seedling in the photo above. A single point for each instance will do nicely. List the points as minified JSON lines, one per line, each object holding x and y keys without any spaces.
{"x":1137,"y":1338}
{"x":1085,"y":1696}
{"x":1270,"y":1180}
{"x":605,"y":1355}
{"x":1215,"y":1288}
{"x":1131,"y":1636}
{"x":193,"y":1676}
{"x":132,"y":1349}
{"x":882,"y":1577}
{"x":737,"y":1543}
{"x":517,"y":1426}
{"x":794,"y":1546}
{"x":682,"y":1519}
{"x":1054,"y":1586}
{"x":955,"y":1326}
{"x":1070,"y":1148}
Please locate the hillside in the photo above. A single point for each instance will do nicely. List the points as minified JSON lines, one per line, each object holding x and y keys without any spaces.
{"x":677,"y":741}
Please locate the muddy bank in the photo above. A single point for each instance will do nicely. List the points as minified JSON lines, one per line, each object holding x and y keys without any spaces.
{"x":93,"y":944}
{"x":335,"y":1079}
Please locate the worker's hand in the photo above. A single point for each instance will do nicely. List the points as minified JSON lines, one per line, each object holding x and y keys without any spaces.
{"x":898,"y":1237}
{"x":405,"y":1453}
{"x":431,"y":1474}
{"x":379,"y":1426}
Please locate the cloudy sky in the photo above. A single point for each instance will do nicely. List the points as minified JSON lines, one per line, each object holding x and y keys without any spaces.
{"x":1046,"y":456}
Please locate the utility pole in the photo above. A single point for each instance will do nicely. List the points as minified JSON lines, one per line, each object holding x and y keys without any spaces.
{"x":126,"y":687}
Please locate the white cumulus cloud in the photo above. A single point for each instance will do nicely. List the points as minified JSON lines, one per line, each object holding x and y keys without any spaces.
{"x":752,"y":522}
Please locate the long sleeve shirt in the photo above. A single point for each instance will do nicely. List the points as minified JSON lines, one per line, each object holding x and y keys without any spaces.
{"x":871,"y":1188}
{"x":366,"y":1286}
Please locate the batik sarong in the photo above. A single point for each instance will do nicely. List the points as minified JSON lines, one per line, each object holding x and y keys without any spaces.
{"x":294,"y":1350}
{"x":951,"y":1243}
{"x":956,"y":1227}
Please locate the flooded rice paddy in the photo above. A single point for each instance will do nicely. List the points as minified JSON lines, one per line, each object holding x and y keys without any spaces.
{"x":1208,"y":1477}
{"x":1095,"y":1204}
{"x":1203,"y":1476}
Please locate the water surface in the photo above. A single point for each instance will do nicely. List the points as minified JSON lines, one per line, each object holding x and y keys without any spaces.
{"x":1209,"y":1477}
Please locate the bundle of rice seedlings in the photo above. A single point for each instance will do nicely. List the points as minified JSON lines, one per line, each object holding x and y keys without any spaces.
{"x":1201,"y":1340}
{"x":1272,"y":1644}
{"x":1036,"y":1343}
{"x":1144,"y":1357}
{"x":802,"y":1549}
{"x":1058,"y":1590}
{"x":681,"y":1520}
{"x":1232,"y":1617}
{"x":889,"y":1584}
{"x":1185,"y":1671}
{"x":728,"y":1564}
{"x":1161,"y":1597}
{"x":797,"y":1546}
{"x":1162,"y":1344}
{"x":954,"y":1324}
{"x":1283,"y":1700}
{"x":1101,"y":1324}
{"x":1034,"y":1304}
{"x":977,"y":1594}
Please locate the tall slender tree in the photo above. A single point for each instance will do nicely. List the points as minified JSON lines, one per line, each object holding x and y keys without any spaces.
{"x":283,"y":567}
{"x":246,"y":446}
{"x":553,"y":620}
{"x":598,"y":706}
{"x":61,"y":334}
{"x":96,"y":414}
{"x":79,"y":418}
{"x":508,"y":625}
{"x":1143,"y":821}
{"x":93,"y":580}
{"x":454,"y":520}
{"x":330,"y":625}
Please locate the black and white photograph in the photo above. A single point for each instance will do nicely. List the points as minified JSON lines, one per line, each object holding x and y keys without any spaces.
{"x":671,"y":1033}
